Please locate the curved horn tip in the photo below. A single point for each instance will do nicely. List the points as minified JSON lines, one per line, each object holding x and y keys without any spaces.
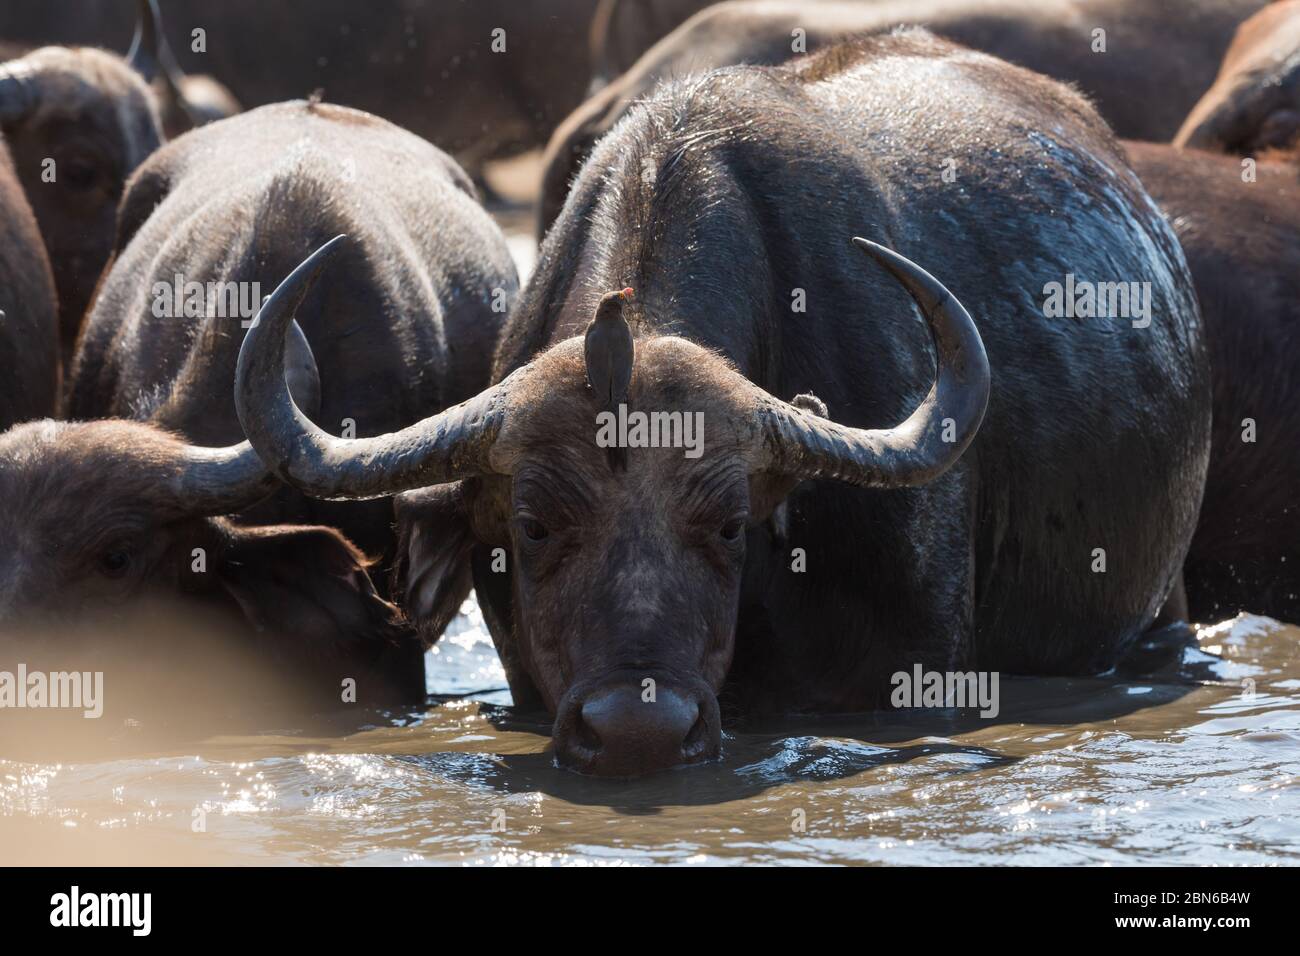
{"x":886,"y":256}
{"x":880,"y":253}
{"x":325,"y":252}
{"x":143,"y":54}
{"x":294,"y":286}
{"x":329,"y":248}
{"x":311,"y":266}
{"x":925,"y":289}
{"x":306,"y":272}
{"x":280,"y":307}
{"x":909,"y":454}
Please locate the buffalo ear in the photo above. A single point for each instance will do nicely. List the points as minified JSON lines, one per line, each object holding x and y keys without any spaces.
{"x":432,"y":572}
{"x":308,"y":592}
{"x":768,"y":490}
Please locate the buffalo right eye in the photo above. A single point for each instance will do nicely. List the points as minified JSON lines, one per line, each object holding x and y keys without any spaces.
{"x":533,"y":529}
{"x":115,"y":563}
{"x":733,"y":529}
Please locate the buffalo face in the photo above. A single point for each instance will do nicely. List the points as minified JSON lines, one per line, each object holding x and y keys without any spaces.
{"x":626,"y":559}
{"x":624,"y":535}
{"x":78,"y":122}
{"x":107,"y":521}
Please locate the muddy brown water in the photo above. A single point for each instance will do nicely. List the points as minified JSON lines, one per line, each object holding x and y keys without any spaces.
{"x":1198,"y":766}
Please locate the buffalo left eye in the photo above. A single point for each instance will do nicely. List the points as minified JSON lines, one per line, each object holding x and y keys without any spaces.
{"x":114,"y":564}
{"x":733,"y":529}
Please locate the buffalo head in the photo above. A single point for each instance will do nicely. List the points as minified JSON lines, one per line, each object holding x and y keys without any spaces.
{"x":619,"y":475}
{"x":105,"y":518}
{"x":78,"y":123}
{"x":1254,"y":104}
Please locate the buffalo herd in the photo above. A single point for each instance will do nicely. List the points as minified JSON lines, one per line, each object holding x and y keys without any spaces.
{"x":863,"y":335}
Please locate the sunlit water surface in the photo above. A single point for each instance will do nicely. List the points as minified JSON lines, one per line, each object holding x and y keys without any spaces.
{"x":1201,"y":766}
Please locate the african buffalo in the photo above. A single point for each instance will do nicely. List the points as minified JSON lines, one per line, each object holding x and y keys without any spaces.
{"x":793,"y":561}
{"x":1159,"y":55}
{"x":29,"y":327}
{"x":184,"y":101}
{"x":106,"y":520}
{"x":408,"y":328}
{"x":1241,"y":235}
{"x":114,"y":509}
{"x":439,"y":69}
{"x":1254,"y":104}
{"x":78,"y":122}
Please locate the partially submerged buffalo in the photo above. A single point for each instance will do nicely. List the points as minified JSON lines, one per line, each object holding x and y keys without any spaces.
{"x":1144,"y":71}
{"x":815,"y":546}
{"x":78,"y":122}
{"x":1242,"y":240}
{"x":1254,"y":104}
{"x":107,"y":522}
{"x":29,"y":329}
{"x":110,"y":510}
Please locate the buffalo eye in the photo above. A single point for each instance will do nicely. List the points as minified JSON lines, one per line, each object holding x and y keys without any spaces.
{"x":79,"y":175}
{"x":533,"y":529}
{"x":733,"y":529}
{"x":115,"y":563}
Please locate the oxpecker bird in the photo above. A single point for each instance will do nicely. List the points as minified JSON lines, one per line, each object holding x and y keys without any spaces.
{"x":609,"y":350}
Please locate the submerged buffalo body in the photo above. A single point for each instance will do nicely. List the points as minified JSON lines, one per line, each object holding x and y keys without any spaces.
{"x":1242,"y":240}
{"x":801,"y":560}
{"x":403,"y":328}
{"x":115,"y":557}
{"x":1143,"y":62}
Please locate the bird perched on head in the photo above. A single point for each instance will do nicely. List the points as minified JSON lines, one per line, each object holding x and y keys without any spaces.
{"x":609,"y":350}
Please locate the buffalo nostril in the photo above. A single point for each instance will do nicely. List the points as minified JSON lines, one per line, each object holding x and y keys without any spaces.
{"x":584,"y":735}
{"x":698,"y":737}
